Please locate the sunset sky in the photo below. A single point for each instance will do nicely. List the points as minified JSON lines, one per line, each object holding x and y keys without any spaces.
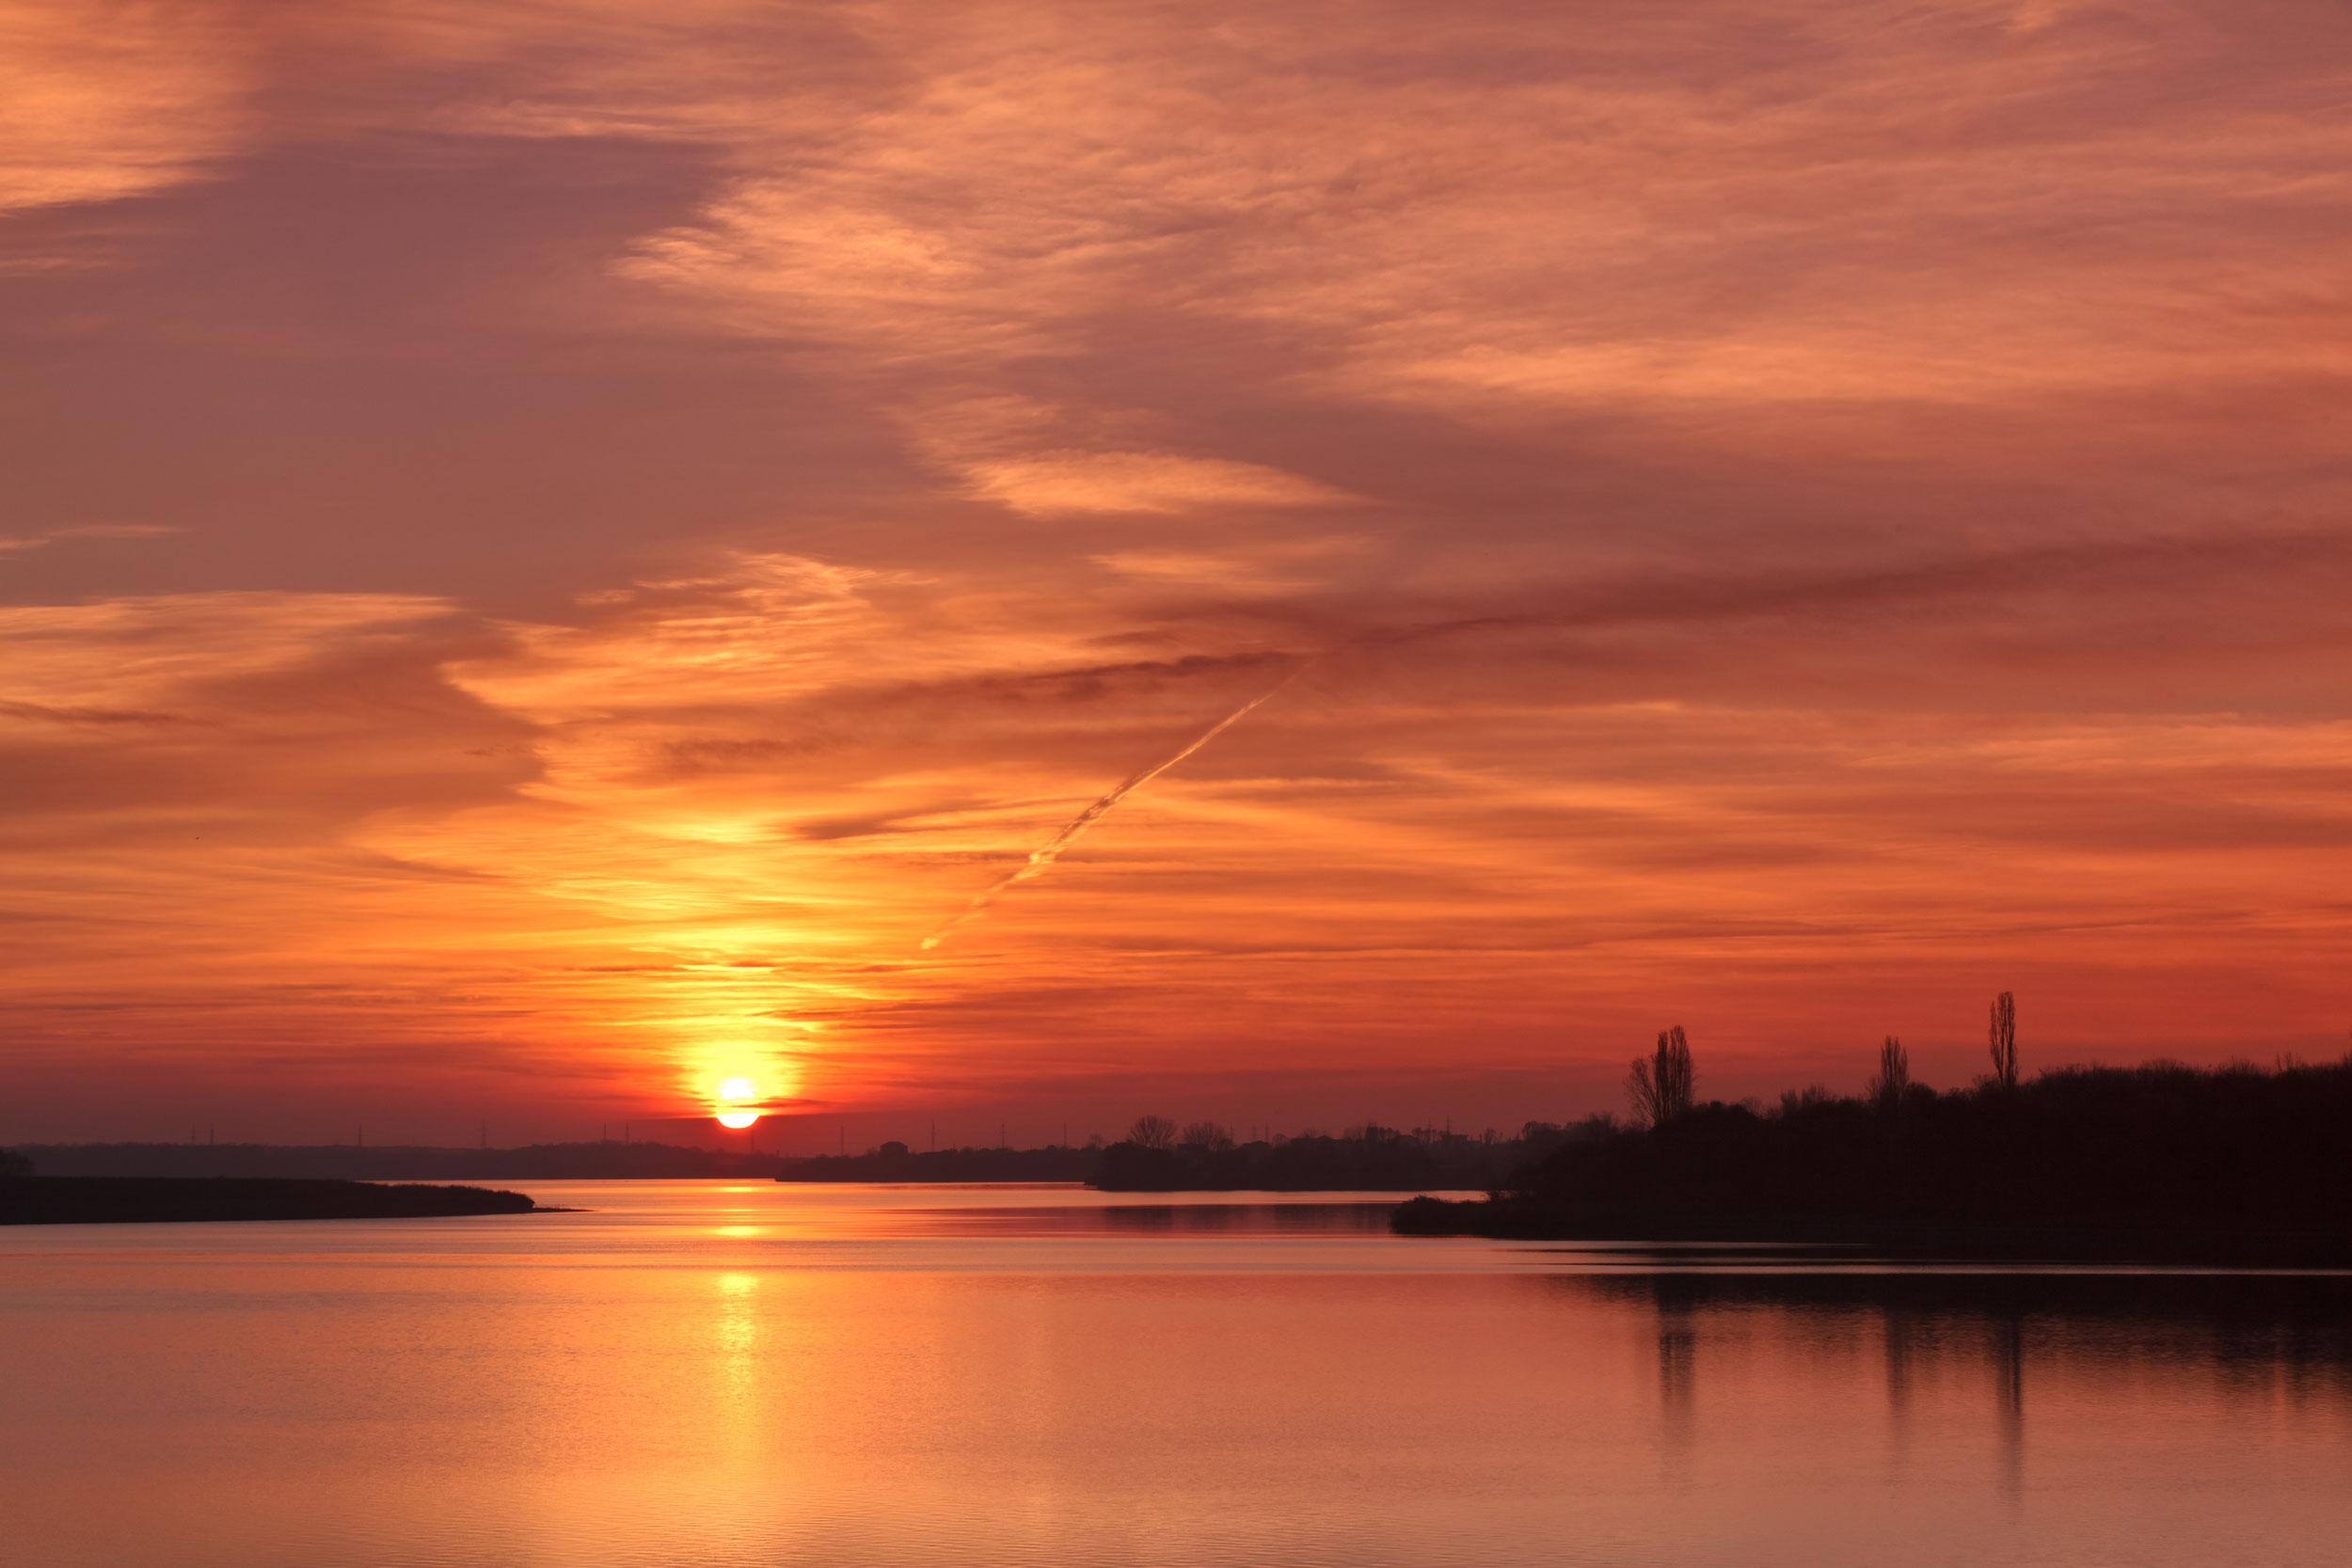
{"x":548,"y":545}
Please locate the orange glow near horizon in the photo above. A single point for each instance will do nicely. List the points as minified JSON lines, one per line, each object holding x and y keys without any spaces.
{"x":1785,"y":538}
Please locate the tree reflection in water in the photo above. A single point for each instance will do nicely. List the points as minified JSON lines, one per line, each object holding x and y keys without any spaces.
{"x":2291,"y":1331}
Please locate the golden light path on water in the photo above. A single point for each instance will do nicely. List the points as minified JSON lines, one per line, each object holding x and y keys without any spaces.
{"x":673,"y":1374}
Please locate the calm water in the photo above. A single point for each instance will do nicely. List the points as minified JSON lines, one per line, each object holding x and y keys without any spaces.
{"x":715,"y":1373}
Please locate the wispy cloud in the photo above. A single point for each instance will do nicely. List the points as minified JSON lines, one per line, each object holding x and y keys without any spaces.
{"x":1788,"y":517}
{"x":84,"y":531}
{"x":99,"y":103}
{"x":1054,"y":483}
{"x":663,"y":825}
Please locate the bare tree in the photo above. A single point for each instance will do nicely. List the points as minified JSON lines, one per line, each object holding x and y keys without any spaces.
{"x":1206,"y":1134}
{"x":2004,"y":1039}
{"x":1153,"y":1132}
{"x":1659,"y":1084}
{"x":1893,"y":1077}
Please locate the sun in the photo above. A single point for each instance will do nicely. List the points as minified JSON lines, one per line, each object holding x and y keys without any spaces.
{"x":739,"y":1089}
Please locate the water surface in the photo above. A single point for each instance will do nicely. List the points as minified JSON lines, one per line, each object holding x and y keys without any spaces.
{"x":717,"y":1373}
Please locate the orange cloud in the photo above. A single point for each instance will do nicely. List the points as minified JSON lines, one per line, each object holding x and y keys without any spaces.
{"x":99,"y":103}
{"x":725,"y":811}
{"x":1114,"y":481}
{"x":1950,"y":205}
{"x":1780,"y":520}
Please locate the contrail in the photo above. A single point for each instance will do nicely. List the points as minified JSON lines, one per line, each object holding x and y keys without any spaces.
{"x":1047,"y":853}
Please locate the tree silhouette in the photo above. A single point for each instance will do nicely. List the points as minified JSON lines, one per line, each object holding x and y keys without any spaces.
{"x":1153,"y":1132}
{"x":1892,"y":1078}
{"x":1205,"y":1134}
{"x":2003,"y":1040}
{"x":1659,"y":1084}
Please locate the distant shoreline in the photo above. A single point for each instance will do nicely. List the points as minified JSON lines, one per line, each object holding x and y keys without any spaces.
{"x":1373,"y":1160}
{"x":614,"y":1161}
{"x":151,"y":1200}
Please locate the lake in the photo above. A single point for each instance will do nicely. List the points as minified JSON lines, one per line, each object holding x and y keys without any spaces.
{"x":713,"y":1374}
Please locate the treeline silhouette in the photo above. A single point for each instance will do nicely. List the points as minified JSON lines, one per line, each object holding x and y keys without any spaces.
{"x":2240,"y":1164}
{"x":2194,"y":1316}
{"x":895,"y":1161}
{"x":1157,"y":1156}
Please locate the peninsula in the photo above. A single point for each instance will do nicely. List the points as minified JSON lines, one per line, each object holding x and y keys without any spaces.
{"x":128,"y":1201}
{"x":2241,"y":1166}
